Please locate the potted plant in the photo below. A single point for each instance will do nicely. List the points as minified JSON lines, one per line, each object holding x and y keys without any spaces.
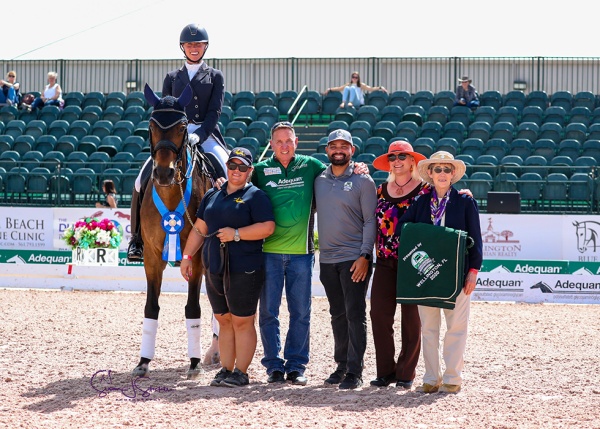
{"x":94,"y":241}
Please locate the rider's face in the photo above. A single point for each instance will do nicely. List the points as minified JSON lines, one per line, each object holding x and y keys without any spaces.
{"x":195,"y":50}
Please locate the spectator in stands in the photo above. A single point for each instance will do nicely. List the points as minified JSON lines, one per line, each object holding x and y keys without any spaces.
{"x":10,"y":89}
{"x":466,"y":94}
{"x":445,"y":207}
{"x":346,"y":237}
{"x":51,"y":95}
{"x":353,"y":92}
{"x":402,"y":188}
{"x":288,"y":179}
{"x":108,"y":186}
{"x":238,"y":216}
{"x":203,"y":115}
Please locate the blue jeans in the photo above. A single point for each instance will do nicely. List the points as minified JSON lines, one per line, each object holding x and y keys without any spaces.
{"x":351,"y":95}
{"x":38,"y":103}
{"x":348,"y":310}
{"x":295,"y":273}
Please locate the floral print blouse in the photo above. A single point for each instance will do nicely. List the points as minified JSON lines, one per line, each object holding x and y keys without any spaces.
{"x":389,"y":210}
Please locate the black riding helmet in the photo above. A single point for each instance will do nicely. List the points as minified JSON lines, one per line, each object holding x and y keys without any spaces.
{"x":193,"y":33}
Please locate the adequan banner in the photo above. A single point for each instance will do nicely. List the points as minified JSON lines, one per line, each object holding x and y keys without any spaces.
{"x":538,"y":288}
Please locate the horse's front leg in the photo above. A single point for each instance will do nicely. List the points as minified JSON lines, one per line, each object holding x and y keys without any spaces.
{"x":192,"y":318}
{"x":154,"y":267}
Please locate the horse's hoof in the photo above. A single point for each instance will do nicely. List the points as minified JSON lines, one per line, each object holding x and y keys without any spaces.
{"x":193,"y":374}
{"x":140,"y":371}
{"x":212,"y":358}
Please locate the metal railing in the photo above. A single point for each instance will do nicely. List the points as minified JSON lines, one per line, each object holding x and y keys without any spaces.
{"x":549,"y":74}
{"x":64,"y":193}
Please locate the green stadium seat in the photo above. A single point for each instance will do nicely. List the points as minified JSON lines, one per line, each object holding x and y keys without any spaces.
{"x":400,"y":98}
{"x":562,"y":99}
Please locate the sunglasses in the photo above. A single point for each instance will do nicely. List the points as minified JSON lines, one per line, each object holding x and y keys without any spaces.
{"x":11,"y":75}
{"x":233,"y":166}
{"x":400,"y":156}
{"x":438,"y":170}
{"x":354,"y":77}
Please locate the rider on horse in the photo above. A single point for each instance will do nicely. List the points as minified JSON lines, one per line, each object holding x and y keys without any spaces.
{"x":203,"y":115}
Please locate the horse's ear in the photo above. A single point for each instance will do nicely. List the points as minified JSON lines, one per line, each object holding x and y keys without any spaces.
{"x":151,"y":97}
{"x":185,"y":97}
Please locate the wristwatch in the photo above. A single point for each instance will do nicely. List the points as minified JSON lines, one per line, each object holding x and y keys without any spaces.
{"x":236,"y":235}
{"x":366,"y":256}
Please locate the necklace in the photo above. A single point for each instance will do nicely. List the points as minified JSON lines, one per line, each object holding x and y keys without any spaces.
{"x":402,"y":186}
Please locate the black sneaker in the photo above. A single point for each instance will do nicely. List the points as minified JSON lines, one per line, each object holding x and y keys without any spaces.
{"x":296,"y":378}
{"x":383,"y":381}
{"x":221,"y":375}
{"x":352,"y":381}
{"x":236,"y":378}
{"x":336,"y":377}
{"x":276,"y":377}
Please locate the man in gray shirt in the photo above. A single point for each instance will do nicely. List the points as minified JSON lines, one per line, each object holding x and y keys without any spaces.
{"x":347,"y":228}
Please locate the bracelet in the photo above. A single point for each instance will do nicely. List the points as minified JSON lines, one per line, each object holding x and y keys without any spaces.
{"x":187,"y":257}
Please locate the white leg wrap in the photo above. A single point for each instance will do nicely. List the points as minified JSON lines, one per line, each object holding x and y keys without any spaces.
{"x":149,"y":328}
{"x":215,"y":325}
{"x":194,"y":341}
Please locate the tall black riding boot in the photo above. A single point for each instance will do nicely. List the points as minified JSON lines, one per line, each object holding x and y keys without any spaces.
{"x":135,"y":251}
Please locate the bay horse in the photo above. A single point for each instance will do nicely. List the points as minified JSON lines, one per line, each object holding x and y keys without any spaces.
{"x":173,"y":193}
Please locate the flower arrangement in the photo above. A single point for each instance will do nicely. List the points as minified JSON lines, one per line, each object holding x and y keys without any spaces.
{"x":91,"y":233}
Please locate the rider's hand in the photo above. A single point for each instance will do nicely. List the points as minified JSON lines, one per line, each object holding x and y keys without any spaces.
{"x":194,"y":139}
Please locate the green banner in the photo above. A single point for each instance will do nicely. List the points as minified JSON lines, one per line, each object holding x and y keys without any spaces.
{"x":540,"y":267}
{"x":48,"y":257}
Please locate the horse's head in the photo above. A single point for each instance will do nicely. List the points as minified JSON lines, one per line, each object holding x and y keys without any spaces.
{"x":168,"y":134}
{"x":543,"y":287}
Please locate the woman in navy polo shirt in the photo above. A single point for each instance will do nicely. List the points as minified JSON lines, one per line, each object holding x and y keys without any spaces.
{"x":236,"y":220}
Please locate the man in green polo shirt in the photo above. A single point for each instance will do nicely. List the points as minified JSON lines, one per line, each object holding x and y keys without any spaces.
{"x":288,"y":180}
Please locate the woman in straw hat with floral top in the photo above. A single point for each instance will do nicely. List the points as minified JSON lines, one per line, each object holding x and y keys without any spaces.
{"x":444,"y":206}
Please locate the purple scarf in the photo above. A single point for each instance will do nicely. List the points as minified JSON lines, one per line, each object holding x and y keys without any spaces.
{"x":438,"y":208}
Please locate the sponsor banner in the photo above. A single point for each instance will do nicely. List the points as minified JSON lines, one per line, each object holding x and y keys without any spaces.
{"x":66,"y":217}
{"x":25,"y":228}
{"x":538,"y":288}
{"x":540,"y":267}
{"x":526,"y":267}
{"x":581,"y":238}
{"x":499,"y":287}
{"x":52,"y":257}
{"x":521,"y":236}
{"x":584,"y":268}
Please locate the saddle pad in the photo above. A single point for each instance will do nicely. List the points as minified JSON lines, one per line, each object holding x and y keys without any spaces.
{"x":430,"y":265}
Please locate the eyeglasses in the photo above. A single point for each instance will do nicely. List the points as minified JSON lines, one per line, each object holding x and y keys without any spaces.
{"x":233,"y":166}
{"x":401,"y":156}
{"x":284,"y":124}
{"x":438,"y":170}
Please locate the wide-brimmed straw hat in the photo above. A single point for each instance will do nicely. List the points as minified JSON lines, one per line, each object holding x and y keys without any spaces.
{"x":465,"y":79}
{"x":382,"y":163}
{"x":442,"y":157}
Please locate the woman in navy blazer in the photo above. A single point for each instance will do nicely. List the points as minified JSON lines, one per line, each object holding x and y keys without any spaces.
{"x":444,"y":206}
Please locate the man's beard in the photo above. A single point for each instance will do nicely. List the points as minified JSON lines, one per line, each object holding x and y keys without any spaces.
{"x":345,"y":160}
